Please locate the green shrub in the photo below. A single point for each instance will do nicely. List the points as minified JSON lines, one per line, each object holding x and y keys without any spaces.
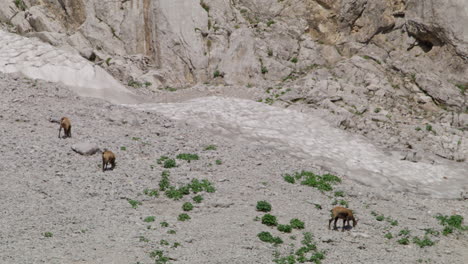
{"x":269,"y":220}
{"x":264,"y":70}
{"x":404,"y":232}
{"x":218,"y":162}
{"x":388,"y":236}
{"x":289,"y":178}
{"x":151,"y":193}
{"x":48,"y":234}
{"x":149,"y":219}
{"x":294,"y":60}
{"x":169,"y":163}
{"x":187,"y":206}
{"x":183,"y":217}
{"x":296,"y":223}
{"x":134,"y":203}
{"x":164,"y":224}
{"x":267,"y":237}
{"x":263,"y":206}
{"x":453,"y":221}
{"x":198,"y":199}
{"x":403,"y":241}
{"x":187,"y":156}
{"x":164,"y":184}
{"x":380,"y":218}
{"x":285,"y":228}
{"x":211,"y":147}
{"x":426,"y":242}
{"x":339,"y":194}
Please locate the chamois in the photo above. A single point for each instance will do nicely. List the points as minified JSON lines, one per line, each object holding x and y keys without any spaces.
{"x":66,"y":125}
{"x":108,"y":157}
{"x":342,"y":213}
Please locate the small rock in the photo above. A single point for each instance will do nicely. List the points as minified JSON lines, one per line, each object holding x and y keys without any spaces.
{"x":85,"y":148}
{"x":189,"y":240}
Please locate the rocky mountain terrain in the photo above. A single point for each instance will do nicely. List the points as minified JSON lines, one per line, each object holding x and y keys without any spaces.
{"x":59,"y":207}
{"x":394,"y":68}
{"x":379,"y":86}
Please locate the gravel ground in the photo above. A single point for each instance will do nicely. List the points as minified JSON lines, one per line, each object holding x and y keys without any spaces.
{"x":46,"y":187}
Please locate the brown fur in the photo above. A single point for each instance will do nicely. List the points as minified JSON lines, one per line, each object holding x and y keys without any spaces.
{"x":66,"y":125}
{"x":342,"y":213}
{"x":108,"y":157}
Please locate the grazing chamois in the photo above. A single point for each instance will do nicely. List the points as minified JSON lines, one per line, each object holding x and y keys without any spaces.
{"x":342,"y":213}
{"x":108,"y":157}
{"x":66,"y":125}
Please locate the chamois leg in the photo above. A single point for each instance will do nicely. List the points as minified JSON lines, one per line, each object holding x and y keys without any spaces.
{"x":60,"y":130}
{"x":334,"y":226}
{"x":329,"y":222}
{"x":344,"y":224}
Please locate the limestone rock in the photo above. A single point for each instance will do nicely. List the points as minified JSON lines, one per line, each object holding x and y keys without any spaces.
{"x":85,"y":148}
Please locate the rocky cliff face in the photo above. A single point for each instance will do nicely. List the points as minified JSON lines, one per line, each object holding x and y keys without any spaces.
{"x":393,"y":70}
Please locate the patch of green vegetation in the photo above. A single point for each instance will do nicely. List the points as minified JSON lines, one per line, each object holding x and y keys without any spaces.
{"x":380,"y":218}
{"x":134,"y":203}
{"x":159,"y":257}
{"x":171,"y":232}
{"x":187,"y":206}
{"x":149,"y":219}
{"x":136,"y":138}
{"x":318,"y":206}
{"x":20,"y":5}
{"x":264,"y":70}
{"x":403,"y":241}
{"x":426,"y":242}
{"x":170,"y":163}
{"x":267,"y":237}
{"x":164,"y":224}
{"x":451,"y":223}
{"x":343,"y":203}
{"x":175,"y":245}
{"x":296,"y":223}
{"x":322,"y":183}
{"x":211,"y":147}
{"x":289,"y":178}
{"x":164,"y":183}
{"x":285,"y":228}
{"x":183,"y":217}
{"x":216,"y":74}
{"x":377,"y":110}
{"x":339,"y":194}
{"x":164,"y":242}
{"x":462,"y":87}
{"x":428,"y":127}
{"x":198,"y":199}
{"x":417,"y":129}
{"x":108,"y":61}
{"x":404,"y":232}
{"x":294,"y":60}
{"x":388,"y":235}
{"x":270,"y":22}
{"x":218,"y":162}
{"x":263,"y":206}
{"x":48,"y":234}
{"x":430,"y":231}
{"x":269,"y":220}
{"x":151,"y":192}
{"x":187,"y":156}
{"x":135,"y":84}
{"x":123,"y":148}
{"x":144,"y":239}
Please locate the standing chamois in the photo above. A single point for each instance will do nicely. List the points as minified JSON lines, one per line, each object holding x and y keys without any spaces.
{"x":342,"y":213}
{"x":66,"y":125}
